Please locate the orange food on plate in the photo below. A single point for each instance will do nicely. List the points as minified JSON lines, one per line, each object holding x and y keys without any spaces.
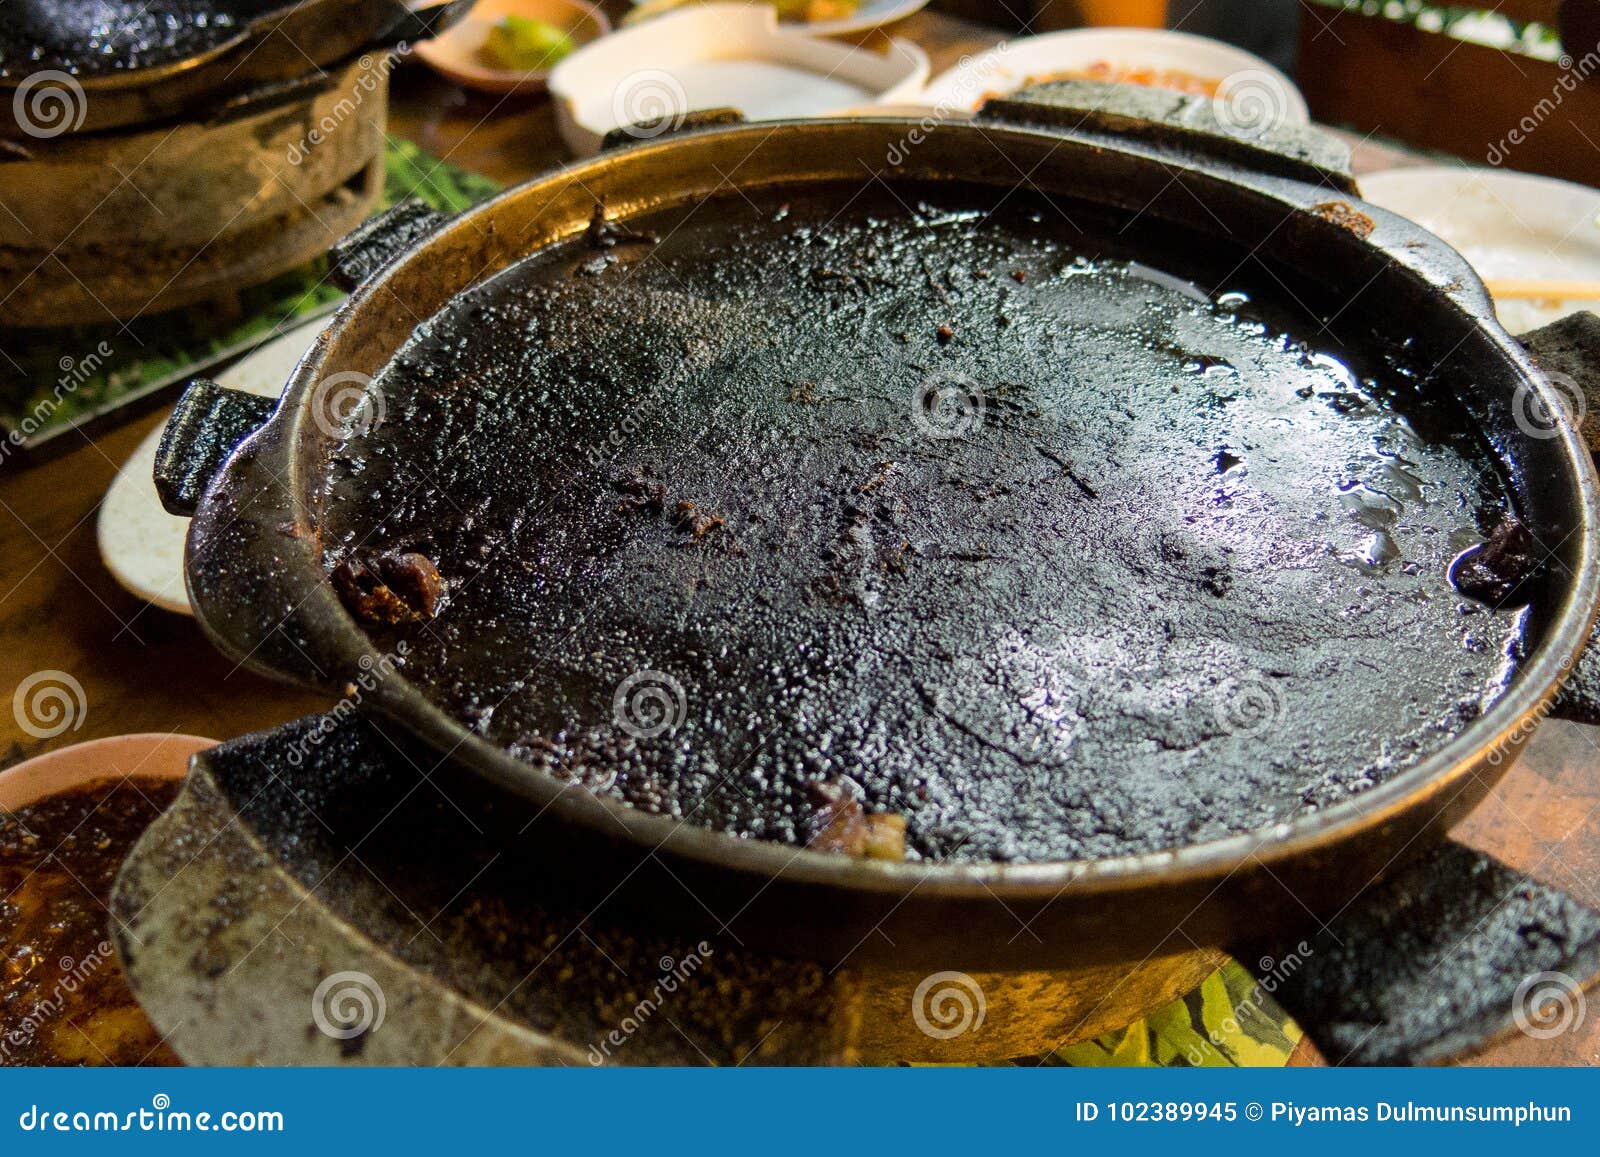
{"x":1103,"y":70}
{"x":811,"y":10}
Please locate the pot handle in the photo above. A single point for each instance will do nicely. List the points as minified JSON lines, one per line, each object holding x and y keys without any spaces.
{"x":369,"y":246}
{"x":209,"y":421}
{"x":1445,"y":956}
{"x":205,"y":427}
{"x":1568,"y":351}
{"x":1181,"y":123}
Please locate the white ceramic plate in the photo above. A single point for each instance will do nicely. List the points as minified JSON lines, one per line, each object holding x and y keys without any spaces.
{"x":141,"y":544}
{"x":869,"y":14}
{"x":1258,"y":88}
{"x":721,"y":56}
{"x":1510,"y":226}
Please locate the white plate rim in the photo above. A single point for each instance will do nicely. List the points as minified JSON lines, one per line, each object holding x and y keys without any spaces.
{"x":1400,"y":190}
{"x":1071,"y":42}
{"x":133,"y":485}
{"x":717,"y":31}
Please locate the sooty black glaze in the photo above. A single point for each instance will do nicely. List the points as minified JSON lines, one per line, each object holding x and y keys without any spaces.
{"x":96,"y":37}
{"x":1044,"y":548}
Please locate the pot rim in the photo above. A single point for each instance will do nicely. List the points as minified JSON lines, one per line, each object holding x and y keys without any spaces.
{"x":1493,"y":739}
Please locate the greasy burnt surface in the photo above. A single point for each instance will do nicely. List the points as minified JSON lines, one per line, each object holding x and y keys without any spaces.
{"x":1053,"y":553}
{"x":1370,"y":982}
{"x":96,"y":37}
{"x":495,"y":929}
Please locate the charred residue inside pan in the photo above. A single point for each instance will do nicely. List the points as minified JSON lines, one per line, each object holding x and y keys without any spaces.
{"x":1056,"y":536}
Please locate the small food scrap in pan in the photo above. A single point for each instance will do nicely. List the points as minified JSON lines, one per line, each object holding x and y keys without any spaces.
{"x":1493,"y":571}
{"x":640,"y":493}
{"x":697,"y":522}
{"x":604,"y":233}
{"x":1341,"y":214}
{"x":842,"y":826}
{"x":398,"y":587}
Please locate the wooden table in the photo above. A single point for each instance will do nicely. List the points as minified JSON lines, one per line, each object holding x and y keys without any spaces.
{"x":143,"y":669}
